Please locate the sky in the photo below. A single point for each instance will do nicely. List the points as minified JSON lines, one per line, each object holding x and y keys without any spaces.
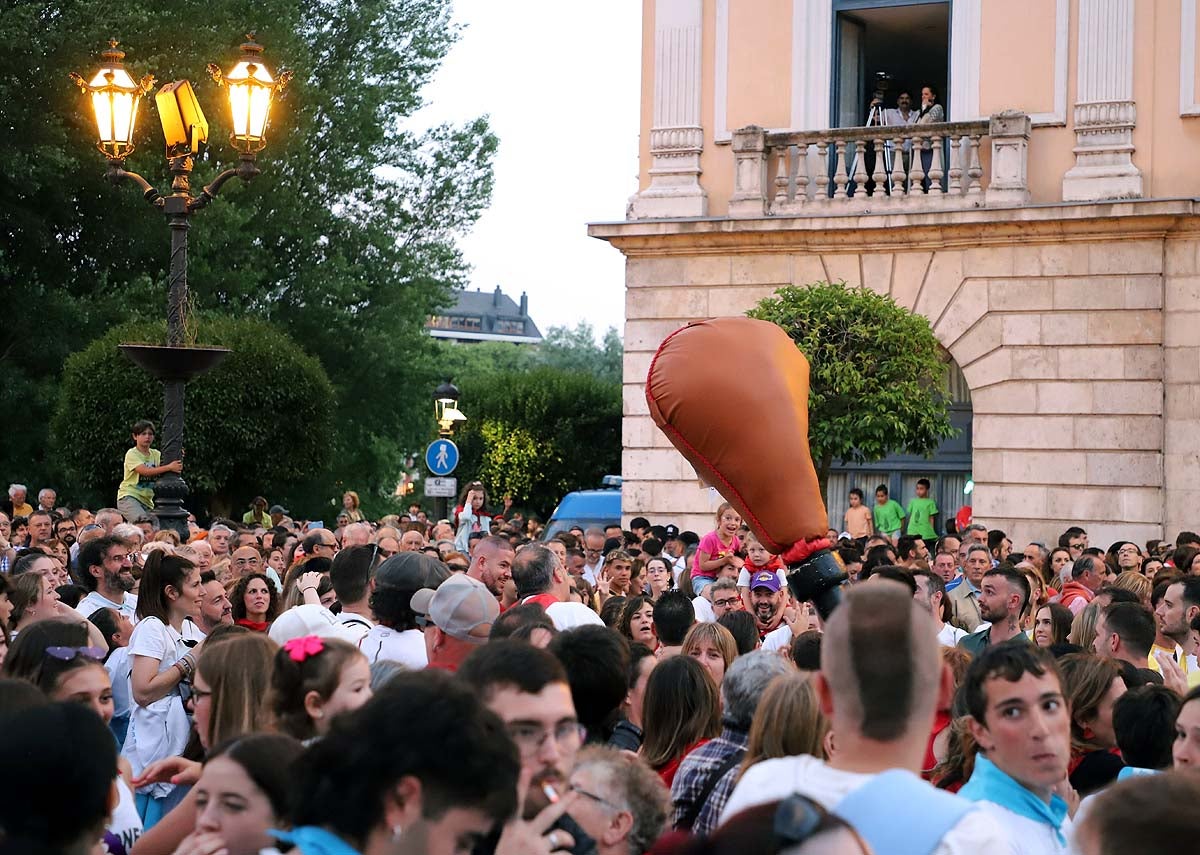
{"x":560,"y":81}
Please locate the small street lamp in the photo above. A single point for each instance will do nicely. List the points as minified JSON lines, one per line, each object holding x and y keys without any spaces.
{"x":115,"y":98}
{"x":445,"y":406}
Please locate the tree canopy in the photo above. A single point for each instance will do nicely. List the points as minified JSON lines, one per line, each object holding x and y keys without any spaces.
{"x":877,"y":374}
{"x":539,"y":434}
{"x":256,"y":423}
{"x":347,"y":241}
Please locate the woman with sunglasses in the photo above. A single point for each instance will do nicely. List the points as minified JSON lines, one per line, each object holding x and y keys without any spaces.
{"x":56,"y":658}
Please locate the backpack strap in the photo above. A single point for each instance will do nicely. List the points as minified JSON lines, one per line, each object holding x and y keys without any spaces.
{"x":890,"y":801}
{"x":690,"y":816}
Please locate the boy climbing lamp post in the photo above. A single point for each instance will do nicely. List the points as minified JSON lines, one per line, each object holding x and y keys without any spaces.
{"x":115,"y":98}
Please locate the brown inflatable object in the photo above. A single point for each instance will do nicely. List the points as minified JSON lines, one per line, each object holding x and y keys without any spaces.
{"x":732,"y":396}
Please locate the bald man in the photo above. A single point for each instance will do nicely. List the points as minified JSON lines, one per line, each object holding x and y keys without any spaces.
{"x":491,"y":563}
{"x":880,"y":683}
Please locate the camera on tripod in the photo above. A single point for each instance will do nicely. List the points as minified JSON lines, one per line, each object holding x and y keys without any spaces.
{"x":883,"y":82}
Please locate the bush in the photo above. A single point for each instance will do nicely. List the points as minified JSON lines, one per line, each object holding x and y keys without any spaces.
{"x":260,"y":422}
{"x":877,"y":381}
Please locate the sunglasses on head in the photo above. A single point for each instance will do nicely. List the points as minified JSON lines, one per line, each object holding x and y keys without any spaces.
{"x":66,"y":654}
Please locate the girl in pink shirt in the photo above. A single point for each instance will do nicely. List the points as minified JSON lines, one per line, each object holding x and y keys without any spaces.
{"x":717,"y":548}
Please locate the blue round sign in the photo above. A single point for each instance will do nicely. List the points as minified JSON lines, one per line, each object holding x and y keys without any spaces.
{"x":441,"y":457}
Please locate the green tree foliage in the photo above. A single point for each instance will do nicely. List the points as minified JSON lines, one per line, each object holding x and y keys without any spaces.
{"x":877,"y":381}
{"x":563,"y":348}
{"x":540,"y":434}
{"x":257,"y":423}
{"x":347,"y":241}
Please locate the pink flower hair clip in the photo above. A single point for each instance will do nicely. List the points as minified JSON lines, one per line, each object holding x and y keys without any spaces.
{"x":302,"y":648}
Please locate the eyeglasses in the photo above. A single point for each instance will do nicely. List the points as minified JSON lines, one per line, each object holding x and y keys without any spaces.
{"x":530,"y":738}
{"x":599,"y":799}
{"x":199,"y":694}
{"x":726,"y":603}
{"x":66,"y":654}
{"x":243,"y":562}
{"x":591,"y":552}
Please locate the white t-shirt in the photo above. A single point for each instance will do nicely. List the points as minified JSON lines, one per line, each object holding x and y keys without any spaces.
{"x":192,"y":632}
{"x":778,"y":639}
{"x":119,"y":667}
{"x":356,"y":623}
{"x":161,"y":729}
{"x":704,"y":610}
{"x":125,"y":825}
{"x":95,"y":601}
{"x":977,"y":833}
{"x":1027,"y":836}
{"x":406,"y":647}
{"x":570,"y":615}
{"x":949,"y":635}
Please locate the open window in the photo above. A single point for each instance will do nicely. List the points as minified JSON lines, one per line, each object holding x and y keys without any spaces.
{"x":906,"y":40}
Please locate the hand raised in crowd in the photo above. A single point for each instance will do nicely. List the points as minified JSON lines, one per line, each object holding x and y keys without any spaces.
{"x":798,"y":617}
{"x":308,"y":584}
{"x":169,"y":770}
{"x":1173,"y":676}
{"x":535,"y":836}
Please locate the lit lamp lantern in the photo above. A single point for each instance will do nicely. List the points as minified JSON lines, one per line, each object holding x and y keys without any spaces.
{"x":251,"y":90}
{"x":445,"y":403}
{"x":115,"y":99}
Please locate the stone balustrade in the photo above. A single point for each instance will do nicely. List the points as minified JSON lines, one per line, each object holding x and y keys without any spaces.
{"x":880,"y":169}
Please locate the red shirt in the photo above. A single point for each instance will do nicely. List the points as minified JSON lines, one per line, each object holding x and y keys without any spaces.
{"x":667,"y":773}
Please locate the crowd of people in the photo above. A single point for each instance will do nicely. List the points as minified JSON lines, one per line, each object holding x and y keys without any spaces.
{"x":472,"y":685}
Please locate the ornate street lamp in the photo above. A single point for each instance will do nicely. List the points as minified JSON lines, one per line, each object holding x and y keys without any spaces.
{"x":445,"y":407}
{"x":114,"y":99}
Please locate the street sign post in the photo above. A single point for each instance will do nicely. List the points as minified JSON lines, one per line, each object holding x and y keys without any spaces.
{"x":441,"y":457}
{"x":441,"y":488}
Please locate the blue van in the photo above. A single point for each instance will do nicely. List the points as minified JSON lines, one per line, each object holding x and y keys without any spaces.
{"x":587,"y":508}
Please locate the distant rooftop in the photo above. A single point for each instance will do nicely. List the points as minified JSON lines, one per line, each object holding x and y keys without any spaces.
{"x":479,"y":316}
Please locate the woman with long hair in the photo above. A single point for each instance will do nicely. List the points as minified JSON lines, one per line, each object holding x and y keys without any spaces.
{"x":1083,"y":627}
{"x":637,"y":621}
{"x":681,"y":711}
{"x":1052,"y":625}
{"x":1092,"y":686}
{"x":255,"y":602}
{"x":56,"y":657}
{"x":787,"y":722}
{"x":162,"y":670}
{"x":242,"y":794}
{"x":34,"y":597}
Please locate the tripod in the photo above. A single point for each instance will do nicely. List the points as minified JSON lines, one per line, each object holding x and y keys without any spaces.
{"x":877,"y":118}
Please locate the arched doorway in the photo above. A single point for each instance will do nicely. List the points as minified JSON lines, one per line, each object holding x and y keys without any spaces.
{"x":948,"y":470}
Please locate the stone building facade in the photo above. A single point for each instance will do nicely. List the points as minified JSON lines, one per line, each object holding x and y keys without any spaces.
{"x":1059,"y":264}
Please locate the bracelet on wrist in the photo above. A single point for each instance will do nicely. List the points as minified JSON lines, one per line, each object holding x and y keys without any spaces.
{"x":306,"y":590}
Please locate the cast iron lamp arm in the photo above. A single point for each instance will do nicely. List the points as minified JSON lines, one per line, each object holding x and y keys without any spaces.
{"x":117,"y":173}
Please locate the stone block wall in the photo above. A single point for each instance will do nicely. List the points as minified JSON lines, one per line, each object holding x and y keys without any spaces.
{"x":1078,"y":344}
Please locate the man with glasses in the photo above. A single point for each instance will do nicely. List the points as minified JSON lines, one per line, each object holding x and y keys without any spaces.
{"x":106,"y":569}
{"x":593,"y":554}
{"x":528,"y":689}
{"x":619,"y":801}
{"x":321,"y":543}
{"x":1074,"y":539}
{"x":248,"y":559}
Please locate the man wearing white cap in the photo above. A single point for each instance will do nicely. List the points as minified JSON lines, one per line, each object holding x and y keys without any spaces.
{"x":459,"y":616}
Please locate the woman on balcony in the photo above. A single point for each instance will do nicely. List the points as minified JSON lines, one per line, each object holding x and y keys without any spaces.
{"x":931,"y":113}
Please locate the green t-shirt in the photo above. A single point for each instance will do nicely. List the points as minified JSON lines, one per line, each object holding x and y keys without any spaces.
{"x":889,"y":517}
{"x":920,"y":517}
{"x":134,"y":485}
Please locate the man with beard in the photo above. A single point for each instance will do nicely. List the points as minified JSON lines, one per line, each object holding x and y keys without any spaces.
{"x":1002,"y":600}
{"x":491,"y":563}
{"x":215,"y":609}
{"x":769,"y":599}
{"x":528,"y":689}
{"x":1179,"y":606}
{"x":64,"y":530}
{"x":105,"y":568}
